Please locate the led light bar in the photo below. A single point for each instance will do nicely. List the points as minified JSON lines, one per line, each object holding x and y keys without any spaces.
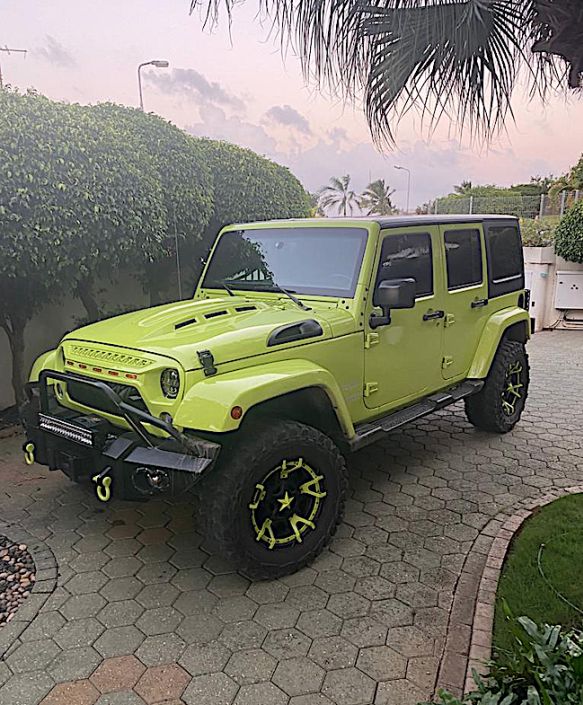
{"x":65,"y":429}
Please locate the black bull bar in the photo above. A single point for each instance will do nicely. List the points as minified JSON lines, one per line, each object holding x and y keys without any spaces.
{"x":87,"y":445}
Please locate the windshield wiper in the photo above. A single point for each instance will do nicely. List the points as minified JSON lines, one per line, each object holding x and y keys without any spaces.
{"x":290,"y":295}
{"x":228,"y":288}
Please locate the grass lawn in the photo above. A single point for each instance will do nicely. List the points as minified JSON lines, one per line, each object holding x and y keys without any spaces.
{"x":559,"y":526}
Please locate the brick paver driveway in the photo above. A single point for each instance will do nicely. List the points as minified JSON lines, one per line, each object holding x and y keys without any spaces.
{"x":143,"y":609}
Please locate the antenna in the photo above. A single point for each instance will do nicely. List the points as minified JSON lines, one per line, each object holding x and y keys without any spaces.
{"x":7,"y":50}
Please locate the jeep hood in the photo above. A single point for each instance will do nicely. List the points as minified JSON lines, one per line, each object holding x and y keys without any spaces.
{"x":232,"y":328}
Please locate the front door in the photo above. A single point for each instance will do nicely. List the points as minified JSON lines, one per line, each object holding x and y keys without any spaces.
{"x":403,"y":359}
{"x":466,"y":296}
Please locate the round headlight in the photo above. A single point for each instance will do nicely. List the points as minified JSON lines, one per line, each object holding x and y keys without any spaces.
{"x":170,"y":383}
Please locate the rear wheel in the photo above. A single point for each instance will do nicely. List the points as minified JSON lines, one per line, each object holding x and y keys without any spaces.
{"x":275,"y":499}
{"x":499,"y":405}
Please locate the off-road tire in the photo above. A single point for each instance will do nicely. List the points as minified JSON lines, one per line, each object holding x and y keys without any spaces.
{"x":485,"y":410}
{"x":224,"y":496}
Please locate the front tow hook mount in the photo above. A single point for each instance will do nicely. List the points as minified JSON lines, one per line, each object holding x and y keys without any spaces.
{"x":103,"y":485}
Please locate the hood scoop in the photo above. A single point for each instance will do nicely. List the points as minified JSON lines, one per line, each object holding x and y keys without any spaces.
{"x":215,"y":314}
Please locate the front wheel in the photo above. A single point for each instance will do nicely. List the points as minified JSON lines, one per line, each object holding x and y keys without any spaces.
{"x":275,"y":499}
{"x":498,"y":406}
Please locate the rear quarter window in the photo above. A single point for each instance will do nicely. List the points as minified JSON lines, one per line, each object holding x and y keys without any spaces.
{"x":505,"y":261}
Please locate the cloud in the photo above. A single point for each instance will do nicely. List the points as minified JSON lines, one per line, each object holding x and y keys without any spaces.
{"x":289,"y":117}
{"x":192,"y":83}
{"x":55,"y":53}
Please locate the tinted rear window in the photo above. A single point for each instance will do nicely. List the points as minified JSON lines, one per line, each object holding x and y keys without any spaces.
{"x":505,"y":263}
{"x":463,"y":253}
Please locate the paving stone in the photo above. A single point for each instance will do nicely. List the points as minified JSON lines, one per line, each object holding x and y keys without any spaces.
{"x":123,"y":547}
{"x":374,"y":587}
{"x":318,"y":623}
{"x":199,"y":659}
{"x":266,"y":592}
{"x":33,"y":656}
{"x":199,"y":628}
{"x":364,"y":631}
{"x":410,"y":642}
{"x":250,"y":666}
{"x":88,"y":562}
{"x":82,"y":606}
{"x":286,"y":643}
{"x":85,"y":583}
{"x":161,"y":649}
{"x":123,"y":697}
{"x":211,"y":689}
{"x":121,"y":589}
{"x":119,"y":673}
{"x":243,"y":635}
{"x":333,"y":652}
{"x":392,"y":613}
{"x":264,"y":693}
{"x":348,"y":605}
{"x":381,"y":663}
{"x":78,"y":632}
{"x":349,"y":687}
{"x":332,"y":581}
{"x":44,"y":626}
{"x":160,"y":620}
{"x":162,"y":683}
{"x":160,"y":553}
{"x":228,"y":585}
{"x":194,"y":601}
{"x":277,"y":616}
{"x":235,"y":609}
{"x":119,"y":641}
{"x":26,"y":688}
{"x":120,"y":614}
{"x":152,"y":596}
{"x":400,"y":692}
{"x":122,"y":567}
{"x":298,"y":676}
{"x":74,"y":664}
{"x":78,"y":693}
{"x":306,"y":597}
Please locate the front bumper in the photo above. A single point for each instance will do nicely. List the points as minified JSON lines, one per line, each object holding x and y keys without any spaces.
{"x":130,"y":463}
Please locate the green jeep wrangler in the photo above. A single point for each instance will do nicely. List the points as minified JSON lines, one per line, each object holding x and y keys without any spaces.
{"x":305,"y":340}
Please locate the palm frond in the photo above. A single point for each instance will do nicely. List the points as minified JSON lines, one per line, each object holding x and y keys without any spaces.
{"x":458,"y":59}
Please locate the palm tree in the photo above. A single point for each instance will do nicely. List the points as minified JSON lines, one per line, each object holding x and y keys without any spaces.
{"x":463,"y":189}
{"x":454,"y":58}
{"x":376,"y":199}
{"x":339,"y":195}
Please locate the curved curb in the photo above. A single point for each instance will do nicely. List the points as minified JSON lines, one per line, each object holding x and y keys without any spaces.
{"x":468,"y":642}
{"x":46,"y":573}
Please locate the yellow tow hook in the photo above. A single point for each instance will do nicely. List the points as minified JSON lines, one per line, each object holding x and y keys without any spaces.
{"x":103,"y":485}
{"x":29,"y":449}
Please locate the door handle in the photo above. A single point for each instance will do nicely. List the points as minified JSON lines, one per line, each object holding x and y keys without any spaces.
{"x":431,"y":315}
{"x":479,"y":303}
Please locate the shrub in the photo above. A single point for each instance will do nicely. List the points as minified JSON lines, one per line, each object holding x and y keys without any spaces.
{"x":538,"y":233}
{"x":545,"y":668}
{"x":569,"y":235}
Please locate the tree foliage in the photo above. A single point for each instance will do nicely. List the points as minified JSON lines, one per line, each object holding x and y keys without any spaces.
{"x":447,"y":58}
{"x":569,"y":234}
{"x":376,"y":199}
{"x":339,"y":195}
{"x":87,"y":193}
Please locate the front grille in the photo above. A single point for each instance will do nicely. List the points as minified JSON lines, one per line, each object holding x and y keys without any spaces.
{"x":65,"y":429}
{"x":94,"y":399}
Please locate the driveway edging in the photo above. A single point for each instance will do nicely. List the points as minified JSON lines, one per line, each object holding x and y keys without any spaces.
{"x":469,"y":635}
{"x":46,"y":572}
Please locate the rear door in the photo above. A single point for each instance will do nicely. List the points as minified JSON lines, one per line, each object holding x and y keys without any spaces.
{"x":466,"y":296}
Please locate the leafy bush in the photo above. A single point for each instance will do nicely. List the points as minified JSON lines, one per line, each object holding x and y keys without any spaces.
{"x":569,"y":235}
{"x":545,"y":668}
{"x":538,"y":233}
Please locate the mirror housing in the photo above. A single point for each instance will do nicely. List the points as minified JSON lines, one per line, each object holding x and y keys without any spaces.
{"x":393,"y":294}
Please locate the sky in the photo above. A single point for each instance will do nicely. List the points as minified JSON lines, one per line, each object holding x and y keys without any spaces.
{"x":233,"y":83}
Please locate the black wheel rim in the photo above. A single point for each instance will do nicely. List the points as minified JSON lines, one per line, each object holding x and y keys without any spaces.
{"x":286,"y":504}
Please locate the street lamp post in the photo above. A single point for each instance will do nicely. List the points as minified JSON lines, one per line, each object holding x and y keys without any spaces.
{"x":159,"y":65}
{"x":404,"y":168}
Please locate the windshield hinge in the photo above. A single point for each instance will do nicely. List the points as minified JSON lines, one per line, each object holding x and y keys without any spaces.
{"x":371,"y":339}
{"x":370,"y":388}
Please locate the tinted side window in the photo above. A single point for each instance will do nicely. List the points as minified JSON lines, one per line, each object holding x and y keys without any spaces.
{"x":505,"y":263}
{"x":463,"y":255}
{"x":408,"y":256}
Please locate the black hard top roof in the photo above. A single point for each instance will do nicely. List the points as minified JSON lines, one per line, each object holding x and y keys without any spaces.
{"x":392,"y":221}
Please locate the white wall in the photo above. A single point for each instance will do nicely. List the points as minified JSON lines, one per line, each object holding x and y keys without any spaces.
{"x":541,"y":266}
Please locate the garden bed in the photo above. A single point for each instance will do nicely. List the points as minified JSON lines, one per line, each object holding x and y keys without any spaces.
{"x":17,"y":577}
{"x":542,"y":577}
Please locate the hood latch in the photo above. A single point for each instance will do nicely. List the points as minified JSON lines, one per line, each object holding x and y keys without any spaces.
{"x":208,"y":362}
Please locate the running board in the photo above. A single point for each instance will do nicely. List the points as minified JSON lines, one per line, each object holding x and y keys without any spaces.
{"x":374,"y":430}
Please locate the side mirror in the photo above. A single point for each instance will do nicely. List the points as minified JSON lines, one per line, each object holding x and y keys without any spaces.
{"x":390,"y":294}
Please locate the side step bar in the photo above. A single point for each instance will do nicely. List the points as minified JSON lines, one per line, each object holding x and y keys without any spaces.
{"x":374,"y":430}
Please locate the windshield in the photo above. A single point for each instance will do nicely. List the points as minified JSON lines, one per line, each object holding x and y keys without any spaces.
{"x":316,"y":261}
